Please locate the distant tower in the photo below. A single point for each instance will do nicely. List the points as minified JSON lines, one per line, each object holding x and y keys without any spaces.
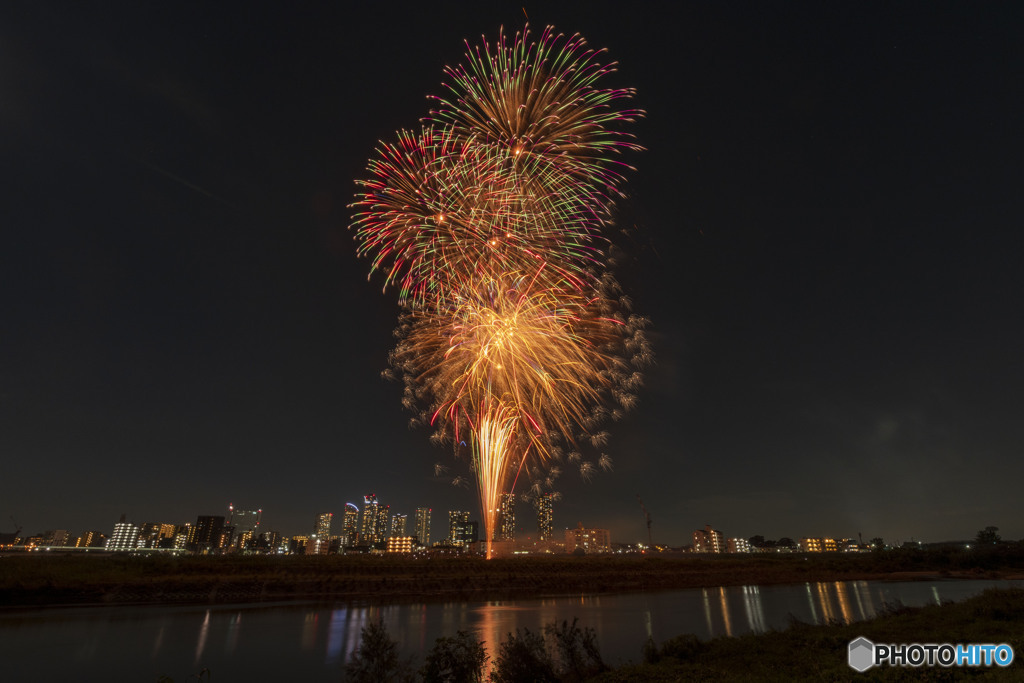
{"x":350,"y":525}
{"x":423,"y":526}
{"x":398,"y":526}
{"x":545,"y":516}
{"x":383,"y":523}
{"x":245,"y":525}
{"x":323,"y":524}
{"x":458,"y":527}
{"x":506,"y":530}
{"x":371,"y":510}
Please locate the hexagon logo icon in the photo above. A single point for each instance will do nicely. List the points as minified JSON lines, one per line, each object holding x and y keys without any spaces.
{"x":862,"y":654}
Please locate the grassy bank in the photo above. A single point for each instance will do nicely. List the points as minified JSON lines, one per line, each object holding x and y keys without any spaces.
{"x":38,"y":578}
{"x":819,"y":653}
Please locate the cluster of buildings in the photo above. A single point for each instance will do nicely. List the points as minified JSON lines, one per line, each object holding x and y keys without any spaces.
{"x":708,"y":540}
{"x":372,"y":529}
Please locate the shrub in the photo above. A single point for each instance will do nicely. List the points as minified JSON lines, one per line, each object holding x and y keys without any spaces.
{"x":455,"y":660}
{"x":682,"y":647}
{"x":523,"y":658}
{"x":376,"y":659}
{"x":577,"y":650}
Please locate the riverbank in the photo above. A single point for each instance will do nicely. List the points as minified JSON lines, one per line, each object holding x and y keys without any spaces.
{"x":806,"y":652}
{"x":41,"y":579}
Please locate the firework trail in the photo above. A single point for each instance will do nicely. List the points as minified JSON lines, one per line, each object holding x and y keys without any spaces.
{"x":489,"y":223}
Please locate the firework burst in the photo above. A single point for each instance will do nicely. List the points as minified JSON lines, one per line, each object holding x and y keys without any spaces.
{"x":542,"y":101}
{"x":514,"y":368}
{"x":488,"y":222}
{"x":550,"y":355}
{"x":438,"y":205}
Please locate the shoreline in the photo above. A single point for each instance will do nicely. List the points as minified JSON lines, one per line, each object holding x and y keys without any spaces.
{"x":27,"y":583}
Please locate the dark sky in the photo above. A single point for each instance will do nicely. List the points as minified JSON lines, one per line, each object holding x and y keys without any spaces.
{"x":824,"y":230}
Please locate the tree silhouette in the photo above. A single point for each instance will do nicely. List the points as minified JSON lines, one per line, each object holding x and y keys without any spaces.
{"x":455,"y":660}
{"x":376,"y":658}
{"x":988,"y":536}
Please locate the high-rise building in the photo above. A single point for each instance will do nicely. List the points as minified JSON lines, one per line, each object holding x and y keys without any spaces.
{"x":383,"y":523}
{"x":423,"y":526}
{"x":149,"y":535}
{"x":323,"y":525}
{"x":154,"y":535}
{"x":398,"y":525}
{"x":350,"y":525}
{"x":268,"y":541}
{"x":207,"y":534}
{"x":708,"y":540}
{"x":506,"y":523}
{"x":91,"y":539}
{"x":245,"y":525}
{"x":125,"y":536}
{"x":182,"y":533}
{"x":371,"y":510}
{"x":320,"y":542}
{"x":545,"y":516}
{"x":461,"y":531}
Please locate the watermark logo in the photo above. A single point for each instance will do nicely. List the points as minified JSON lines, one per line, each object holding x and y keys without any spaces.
{"x":863,"y":654}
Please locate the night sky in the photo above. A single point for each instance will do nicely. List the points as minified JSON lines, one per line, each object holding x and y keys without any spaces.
{"x":824,"y":230}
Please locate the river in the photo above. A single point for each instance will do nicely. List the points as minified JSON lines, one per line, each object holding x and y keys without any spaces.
{"x":310,"y":642}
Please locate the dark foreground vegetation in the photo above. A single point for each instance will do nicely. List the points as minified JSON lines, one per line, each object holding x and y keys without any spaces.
{"x":565,"y":653}
{"x":805,"y":652}
{"x":52,"y":579}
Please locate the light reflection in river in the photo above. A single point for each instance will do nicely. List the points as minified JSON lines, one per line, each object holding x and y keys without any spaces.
{"x":309,"y":631}
{"x":725,"y":611}
{"x":336,"y":630}
{"x":233,"y":628}
{"x":204,"y":632}
{"x":754,"y":609}
{"x":315,"y":641}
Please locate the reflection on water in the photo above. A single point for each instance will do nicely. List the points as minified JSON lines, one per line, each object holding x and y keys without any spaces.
{"x":204,"y":631}
{"x":313,"y":642}
{"x":754,"y":608}
{"x":233,"y":633}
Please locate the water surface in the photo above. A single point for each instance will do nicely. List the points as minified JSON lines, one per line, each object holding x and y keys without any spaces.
{"x":310,"y":642}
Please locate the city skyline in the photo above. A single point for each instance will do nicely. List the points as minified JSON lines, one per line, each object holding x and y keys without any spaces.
{"x":537,"y":527}
{"x":822,"y":230}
